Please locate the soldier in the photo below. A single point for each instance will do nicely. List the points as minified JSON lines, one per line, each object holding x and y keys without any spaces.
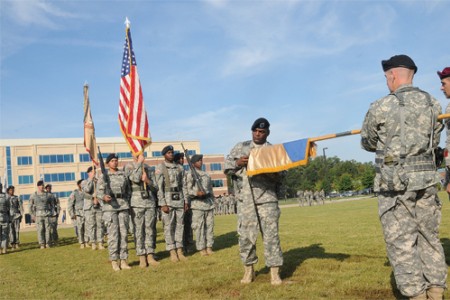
{"x":232,"y":200}
{"x":300,"y":197}
{"x":40,"y":208}
{"x":202,"y":205}
{"x":54,"y":214}
{"x":92,"y":211}
{"x":75,"y":207}
{"x":115,"y":205}
{"x":322,"y":196}
{"x":16,"y":216}
{"x":171,"y":199}
{"x":445,"y":87}
{"x":143,"y":209}
{"x":188,"y":237}
{"x":258,"y":207}
{"x":5,"y":219}
{"x":403,"y":130}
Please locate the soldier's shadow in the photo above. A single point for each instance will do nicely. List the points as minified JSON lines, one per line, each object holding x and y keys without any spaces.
{"x":295,"y":257}
{"x":446,"y":245}
{"x":226,"y":240}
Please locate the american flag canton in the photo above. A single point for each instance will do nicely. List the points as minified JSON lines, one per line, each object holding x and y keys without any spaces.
{"x":126,"y":56}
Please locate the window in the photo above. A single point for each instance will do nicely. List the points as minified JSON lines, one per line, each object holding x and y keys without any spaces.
{"x":63,"y":194}
{"x":186,"y":167}
{"x":203,"y":168}
{"x":156,"y":153}
{"x":85,"y":157}
{"x":25,"y":197}
{"x":216,"y":167}
{"x":191,"y":152}
{"x":56,"y":158}
{"x":124,"y":155}
{"x":25,"y":179}
{"x":59,"y":177}
{"x":84,"y":175}
{"x":217,"y":183}
{"x":24,"y":160}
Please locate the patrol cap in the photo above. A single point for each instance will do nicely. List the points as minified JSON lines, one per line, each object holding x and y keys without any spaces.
{"x":11,"y":187}
{"x":178,"y":156}
{"x":260,"y":123}
{"x":79,"y":181}
{"x":166,"y":149}
{"x":48,"y":185}
{"x":396,"y":61}
{"x":445,"y":73}
{"x":40,"y":182}
{"x":111,"y":156}
{"x":196,"y":157}
{"x":90,"y":169}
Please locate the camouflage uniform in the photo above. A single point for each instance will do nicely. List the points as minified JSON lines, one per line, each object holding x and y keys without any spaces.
{"x":92,"y":212}
{"x":171,"y":194}
{"x":16,"y":218}
{"x":202,"y":209}
{"x":258,"y":204}
{"x":115,"y":213}
{"x":55,"y":209}
{"x":5,"y":218}
{"x":75,"y":207}
{"x":143,"y":208}
{"x":40,"y":208}
{"x":406,"y":178}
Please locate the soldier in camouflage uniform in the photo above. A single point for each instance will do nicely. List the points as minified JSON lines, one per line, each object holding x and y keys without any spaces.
{"x":16,"y":216}
{"x":143,"y":209}
{"x":402,"y":129}
{"x":92,"y":211}
{"x":115,"y":208}
{"x":75,"y":207}
{"x":5,"y":219}
{"x":54,"y":214}
{"x":258,"y":207}
{"x":444,"y":76}
{"x":202,"y":205}
{"x":40,"y":209}
{"x":169,"y":177}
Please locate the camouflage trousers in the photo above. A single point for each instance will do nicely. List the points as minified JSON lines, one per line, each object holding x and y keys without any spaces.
{"x":410,"y":229}
{"x":53,"y":225}
{"x":14,"y":232}
{"x":80,"y":222}
{"x":117,"y":223}
{"x":203,"y":226}
{"x":4,"y":235}
{"x":248,"y":228}
{"x":43,"y":230}
{"x":93,"y":224}
{"x":173,"y":227}
{"x":144,"y":220}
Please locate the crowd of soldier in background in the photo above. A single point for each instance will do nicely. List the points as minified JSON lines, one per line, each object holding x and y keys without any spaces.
{"x":309,"y":198}
{"x":225,"y":205}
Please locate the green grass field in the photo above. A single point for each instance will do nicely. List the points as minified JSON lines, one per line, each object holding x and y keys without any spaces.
{"x":333,"y":251}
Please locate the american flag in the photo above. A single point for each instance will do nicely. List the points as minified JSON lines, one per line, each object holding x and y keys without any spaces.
{"x":132,"y":114}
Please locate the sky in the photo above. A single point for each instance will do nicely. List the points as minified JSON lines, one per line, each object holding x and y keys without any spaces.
{"x":209,"y":69}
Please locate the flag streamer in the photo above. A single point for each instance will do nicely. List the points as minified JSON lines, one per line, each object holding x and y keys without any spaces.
{"x":89,"y":132}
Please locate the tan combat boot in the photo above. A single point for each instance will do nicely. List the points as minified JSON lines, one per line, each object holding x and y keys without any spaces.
{"x":4,"y":250}
{"x":17,"y":246}
{"x":181,"y":254}
{"x":124,"y":265}
{"x":275,"y":276}
{"x":94,"y":246}
{"x":42,"y":246}
{"x":100,"y":246}
{"x":435,"y":293}
{"x":151,"y":260}
{"x":142,"y":261}
{"x":82,"y":246}
{"x":115,"y":265}
{"x":209,"y":251}
{"x":47,"y":245}
{"x":422,"y":296}
{"x":203,"y":252}
{"x":173,"y":256}
{"x":249,"y":274}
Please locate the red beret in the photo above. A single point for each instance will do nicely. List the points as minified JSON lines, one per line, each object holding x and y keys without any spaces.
{"x":445,"y":73}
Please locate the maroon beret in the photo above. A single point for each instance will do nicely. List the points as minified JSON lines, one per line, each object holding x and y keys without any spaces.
{"x":445,"y":73}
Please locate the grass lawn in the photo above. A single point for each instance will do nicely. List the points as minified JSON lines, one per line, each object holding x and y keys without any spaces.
{"x":331,"y":251}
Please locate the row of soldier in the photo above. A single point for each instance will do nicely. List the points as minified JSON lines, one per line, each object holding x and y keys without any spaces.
{"x":308,"y":197}
{"x":11,"y":212}
{"x":225,"y":205}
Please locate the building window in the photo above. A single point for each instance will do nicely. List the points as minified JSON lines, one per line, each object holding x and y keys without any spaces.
{"x":59,"y":177}
{"x":217,"y":183}
{"x":25,"y":179}
{"x":191,"y":152}
{"x":203,"y":168}
{"x":56,"y":158}
{"x":8,"y":165}
{"x":156,"y":153}
{"x":24,"y":160}
{"x":85,"y":157}
{"x":25,"y":197}
{"x":124,"y":155}
{"x":216,"y":167}
{"x":186,"y":167}
{"x":63,"y":194}
{"x":84,"y":175}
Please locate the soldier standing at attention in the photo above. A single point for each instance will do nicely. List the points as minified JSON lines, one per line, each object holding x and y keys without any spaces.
{"x":169,"y":177}
{"x":188,"y":241}
{"x":92,"y":211}
{"x":16,"y":216}
{"x":5,"y":219}
{"x":54,"y":214}
{"x":75,"y":207}
{"x":115,"y":208}
{"x":403,"y":130}
{"x":258,"y":207}
{"x":202,"y":205}
{"x":40,"y":208}
{"x":445,"y":87}
{"x":143,"y":209}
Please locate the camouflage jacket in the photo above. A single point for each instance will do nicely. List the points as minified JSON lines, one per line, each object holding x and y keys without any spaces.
{"x":40,"y":204}
{"x":5,"y":209}
{"x":170,"y":193}
{"x":205,"y":203}
{"x":75,"y":203}
{"x":89,"y":192}
{"x":16,"y":206}
{"x":141,"y":196}
{"x":120,"y":191}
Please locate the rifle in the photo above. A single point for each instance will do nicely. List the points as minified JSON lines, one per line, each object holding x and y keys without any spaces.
{"x":194,"y":171}
{"x":108,"y":190}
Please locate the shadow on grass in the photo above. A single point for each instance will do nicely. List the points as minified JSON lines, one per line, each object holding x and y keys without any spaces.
{"x":395,"y":290}
{"x":446,"y":245}
{"x":295,"y":257}
{"x":226,"y":240}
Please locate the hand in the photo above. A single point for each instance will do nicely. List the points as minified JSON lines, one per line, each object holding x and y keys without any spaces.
{"x":140,"y":158}
{"x":165,"y":209}
{"x":201,"y":194}
{"x":243,"y":161}
{"x":107,"y":198}
{"x":95,"y":201}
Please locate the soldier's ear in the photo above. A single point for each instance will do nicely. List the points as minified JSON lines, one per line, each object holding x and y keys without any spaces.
{"x":268,"y":132}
